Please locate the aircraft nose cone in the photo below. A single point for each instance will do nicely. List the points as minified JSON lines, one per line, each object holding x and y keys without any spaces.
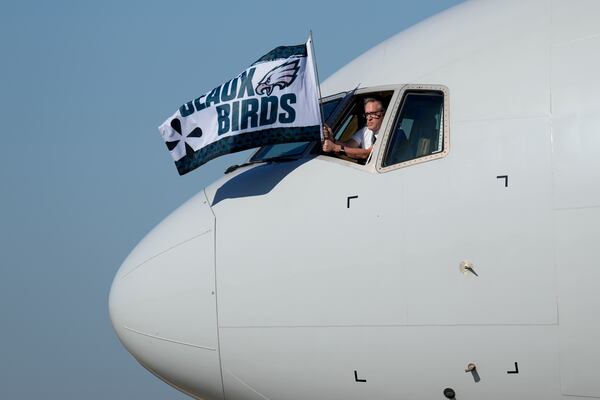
{"x":162,"y":302}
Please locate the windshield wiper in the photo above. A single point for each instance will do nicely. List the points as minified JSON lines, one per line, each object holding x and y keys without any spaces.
{"x":233,"y":167}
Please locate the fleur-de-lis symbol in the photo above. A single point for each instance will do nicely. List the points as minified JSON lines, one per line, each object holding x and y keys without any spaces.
{"x":180,"y":146}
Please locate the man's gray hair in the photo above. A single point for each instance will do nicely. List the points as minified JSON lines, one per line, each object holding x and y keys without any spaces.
{"x":373,"y":99}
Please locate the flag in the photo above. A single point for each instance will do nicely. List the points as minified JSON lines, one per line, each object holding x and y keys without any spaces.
{"x":273,"y":101}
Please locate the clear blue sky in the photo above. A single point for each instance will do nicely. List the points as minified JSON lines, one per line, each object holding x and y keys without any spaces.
{"x":85,"y":175}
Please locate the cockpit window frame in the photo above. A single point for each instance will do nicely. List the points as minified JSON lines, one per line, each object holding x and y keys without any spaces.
{"x":375,"y":162}
{"x":397,"y":110}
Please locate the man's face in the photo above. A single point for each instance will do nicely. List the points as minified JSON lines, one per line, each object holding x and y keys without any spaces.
{"x":374,"y":115}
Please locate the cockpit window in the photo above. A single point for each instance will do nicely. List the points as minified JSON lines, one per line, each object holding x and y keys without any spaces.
{"x":292,"y":149}
{"x":349,"y":118}
{"x":353,"y":119}
{"x":418,"y":131}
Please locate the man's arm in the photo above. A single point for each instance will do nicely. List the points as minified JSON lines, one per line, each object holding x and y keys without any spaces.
{"x":358,"y":153}
{"x":350,"y":148}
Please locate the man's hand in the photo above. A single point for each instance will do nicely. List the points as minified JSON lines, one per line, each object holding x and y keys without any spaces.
{"x":329,"y":146}
{"x":327,"y":133}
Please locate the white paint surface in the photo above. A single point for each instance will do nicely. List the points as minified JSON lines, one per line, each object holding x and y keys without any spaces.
{"x":309,"y":290}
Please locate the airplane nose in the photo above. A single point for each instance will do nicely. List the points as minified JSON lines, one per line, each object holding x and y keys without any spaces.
{"x":162,"y":301}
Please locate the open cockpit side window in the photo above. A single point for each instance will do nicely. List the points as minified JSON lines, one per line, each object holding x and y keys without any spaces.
{"x":344,"y":113}
{"x":420,"y":130}
{"x":352,"y":119}
{"x":349,"y":116}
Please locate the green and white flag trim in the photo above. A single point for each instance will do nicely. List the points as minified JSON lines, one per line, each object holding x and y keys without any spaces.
{"x":274,"y":101}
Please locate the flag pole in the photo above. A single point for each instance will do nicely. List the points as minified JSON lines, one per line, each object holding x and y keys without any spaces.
{"x":316,"y":71}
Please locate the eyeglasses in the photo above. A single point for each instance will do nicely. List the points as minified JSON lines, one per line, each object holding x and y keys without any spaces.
{"x":374,"y":114}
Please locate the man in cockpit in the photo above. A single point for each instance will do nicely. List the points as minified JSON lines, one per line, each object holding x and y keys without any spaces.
{"x":361,"y":143}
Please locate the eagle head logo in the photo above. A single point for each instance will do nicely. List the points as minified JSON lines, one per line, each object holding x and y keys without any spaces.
{"x":281,"y":76}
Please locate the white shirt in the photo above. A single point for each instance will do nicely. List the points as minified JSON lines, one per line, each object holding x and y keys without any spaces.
{"x":364,"y":137}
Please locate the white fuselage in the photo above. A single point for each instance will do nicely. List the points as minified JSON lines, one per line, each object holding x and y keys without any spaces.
{"x":272,"y":284}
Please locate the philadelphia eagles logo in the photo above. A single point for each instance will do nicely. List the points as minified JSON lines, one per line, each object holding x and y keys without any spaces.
{"x":281,"y":76}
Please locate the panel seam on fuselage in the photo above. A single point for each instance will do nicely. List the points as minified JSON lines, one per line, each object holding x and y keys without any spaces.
{"x":575,"y":208}
{"x":167,"y":339}
{"x":246,"y":385}
{"x":516,"y":118}
{"x":216,"y":293}
{"x":378,"y":326}
{"x":164,"y":251}
{"x":579,"y":39}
